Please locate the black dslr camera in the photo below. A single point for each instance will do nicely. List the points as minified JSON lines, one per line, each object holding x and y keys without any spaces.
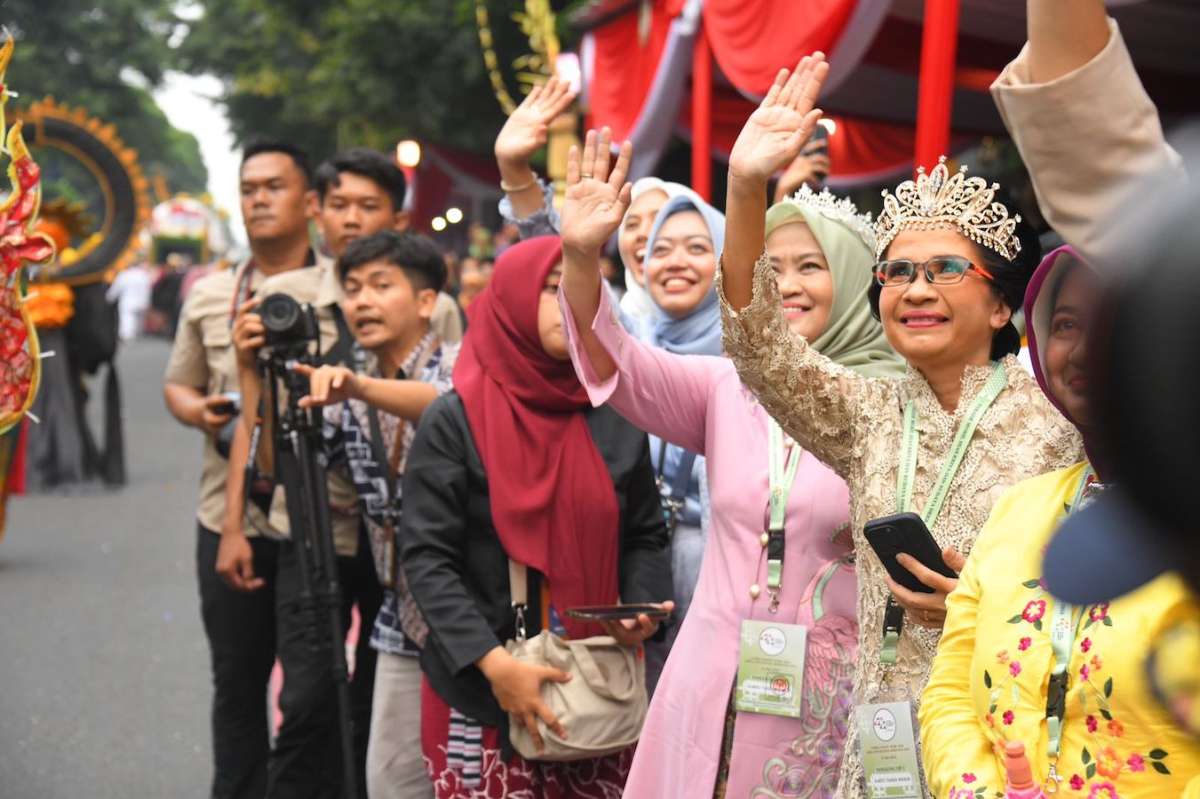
{"x":290,"y":327}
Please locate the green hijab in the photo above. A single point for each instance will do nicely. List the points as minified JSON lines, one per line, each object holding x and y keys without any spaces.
{"x":852,"y":337}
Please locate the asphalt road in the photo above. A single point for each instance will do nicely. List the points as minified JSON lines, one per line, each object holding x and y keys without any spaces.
{"x":104,"y":680}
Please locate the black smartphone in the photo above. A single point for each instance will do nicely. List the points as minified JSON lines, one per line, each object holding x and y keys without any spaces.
{"x":231,"y":405}
{"x":907,"y":533}
{"x":616,"y":612}
{"x":818,"y":142}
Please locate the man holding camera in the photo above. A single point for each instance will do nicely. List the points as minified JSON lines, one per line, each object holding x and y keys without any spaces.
{"x":360,"y":192}
{"x":200,"y":391}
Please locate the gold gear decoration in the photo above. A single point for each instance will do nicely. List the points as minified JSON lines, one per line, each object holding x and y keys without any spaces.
{"x":98,"y":147}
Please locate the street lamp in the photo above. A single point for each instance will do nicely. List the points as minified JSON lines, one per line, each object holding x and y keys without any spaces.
{"x":454,"y":215}
{"x":408,"y":153}
{"x":438,"y":224}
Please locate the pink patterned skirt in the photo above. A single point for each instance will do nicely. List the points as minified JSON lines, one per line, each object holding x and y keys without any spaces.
{"x":464,"y":761}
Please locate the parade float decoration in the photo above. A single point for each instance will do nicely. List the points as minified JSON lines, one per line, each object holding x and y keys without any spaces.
{"x":20,"y":244}
{"x":97,"y":198}
{"x":187,"y":226}
{"x":70,"y":222}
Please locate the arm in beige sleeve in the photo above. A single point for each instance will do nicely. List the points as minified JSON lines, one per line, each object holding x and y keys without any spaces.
{"x":1085,"y":127}
{"x":235,"y":482}
{"x":817,"y":402}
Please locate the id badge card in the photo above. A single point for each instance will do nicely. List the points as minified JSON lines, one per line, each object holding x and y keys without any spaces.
{"x":770,"y":675}
{"x":889,"y":750}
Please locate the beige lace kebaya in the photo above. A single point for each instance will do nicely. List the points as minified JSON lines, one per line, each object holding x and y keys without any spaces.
{"x":854,"y":424}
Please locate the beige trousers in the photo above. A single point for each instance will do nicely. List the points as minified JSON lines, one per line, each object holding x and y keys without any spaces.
{"x":395,"y":766}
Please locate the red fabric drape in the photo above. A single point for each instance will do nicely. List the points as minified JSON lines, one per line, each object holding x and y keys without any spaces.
{"x":16,"y":465}
{"x":752,"y":39}
{"x":860,"y":149}
{"x":625,"y":66}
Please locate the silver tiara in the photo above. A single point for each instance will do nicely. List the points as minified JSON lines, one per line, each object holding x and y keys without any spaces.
{"x":837,"y":209}
{"x":942,"y":200}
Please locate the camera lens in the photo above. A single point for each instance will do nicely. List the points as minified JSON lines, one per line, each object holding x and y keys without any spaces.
{"x":280,"y":313}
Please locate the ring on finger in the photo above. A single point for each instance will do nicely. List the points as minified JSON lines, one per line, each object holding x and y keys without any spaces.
{"x":586,"y":175}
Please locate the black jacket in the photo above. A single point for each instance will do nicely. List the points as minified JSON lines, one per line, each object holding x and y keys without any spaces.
{"x":458,"y":572}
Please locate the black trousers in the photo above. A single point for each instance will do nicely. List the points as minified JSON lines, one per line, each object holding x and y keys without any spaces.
{"x":240,"y":628}
{"x":307,"y":760}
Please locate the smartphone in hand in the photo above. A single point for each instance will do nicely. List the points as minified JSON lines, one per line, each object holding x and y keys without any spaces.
{"x":907,"y":533}
{"x":616,"y":612}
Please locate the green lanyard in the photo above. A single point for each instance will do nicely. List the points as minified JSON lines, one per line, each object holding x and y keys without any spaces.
{"x":893,"y":615}
{"x":1064,"y":629}
{"x":782,"y":475}
{"x":958,"y":449}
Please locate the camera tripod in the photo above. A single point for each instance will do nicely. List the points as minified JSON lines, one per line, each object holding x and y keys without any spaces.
{"x":300,"y":466}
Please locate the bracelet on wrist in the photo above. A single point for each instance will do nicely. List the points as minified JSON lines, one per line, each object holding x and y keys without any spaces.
{"x":508,"y":188}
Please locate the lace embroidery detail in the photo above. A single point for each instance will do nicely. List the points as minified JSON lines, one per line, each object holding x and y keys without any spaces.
{"x":854,"y":424}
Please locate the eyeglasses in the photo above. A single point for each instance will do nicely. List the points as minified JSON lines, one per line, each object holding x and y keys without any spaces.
{"x":941,"y":270}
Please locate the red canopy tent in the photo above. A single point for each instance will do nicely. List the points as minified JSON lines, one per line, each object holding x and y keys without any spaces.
{"x":906,"y":76}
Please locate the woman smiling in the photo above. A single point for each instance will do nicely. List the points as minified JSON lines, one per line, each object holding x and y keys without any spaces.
{"x":966,"y":420}
{"x":1015,"y":663}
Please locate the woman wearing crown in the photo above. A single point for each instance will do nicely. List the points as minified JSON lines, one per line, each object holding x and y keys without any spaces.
{"x":966,"y":420}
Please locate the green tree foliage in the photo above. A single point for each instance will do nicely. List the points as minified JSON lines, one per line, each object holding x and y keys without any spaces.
{"x":326,"y":74}
{"x":104,"y":56}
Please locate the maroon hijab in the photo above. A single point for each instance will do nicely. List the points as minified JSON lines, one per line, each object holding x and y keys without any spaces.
{"x":552,"y":497}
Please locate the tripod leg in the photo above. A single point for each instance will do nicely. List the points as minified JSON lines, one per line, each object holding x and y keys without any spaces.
{"x":316,"y":495}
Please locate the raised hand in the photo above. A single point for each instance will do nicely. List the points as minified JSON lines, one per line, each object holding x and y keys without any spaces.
{"x":597,"y":199}
{"x":773,"y":135}
{"x":528,"y":125}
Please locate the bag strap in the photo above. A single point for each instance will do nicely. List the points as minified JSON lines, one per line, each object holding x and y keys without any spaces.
{"x":518,"y":587}
{"x":676,"y":498}
{"x":389,"y":461}
{"x":683,"y":475}
{"x":345,"y":350}
{"x":596,"y":679}
{"x":518,"y":583}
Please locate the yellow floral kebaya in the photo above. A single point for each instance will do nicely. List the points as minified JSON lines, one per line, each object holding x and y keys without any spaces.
{"x":992,"y":672}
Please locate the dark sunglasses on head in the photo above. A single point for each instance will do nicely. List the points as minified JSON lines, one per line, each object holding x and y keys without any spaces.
{"x":941,"y":270}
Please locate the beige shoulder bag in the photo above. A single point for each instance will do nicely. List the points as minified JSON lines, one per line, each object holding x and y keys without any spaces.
{"x":602,"y":707}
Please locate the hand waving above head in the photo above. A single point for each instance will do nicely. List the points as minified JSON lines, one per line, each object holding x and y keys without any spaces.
{"x":528,"y":126}
{"x":597,"y":197}
{"x":774,"y":134}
